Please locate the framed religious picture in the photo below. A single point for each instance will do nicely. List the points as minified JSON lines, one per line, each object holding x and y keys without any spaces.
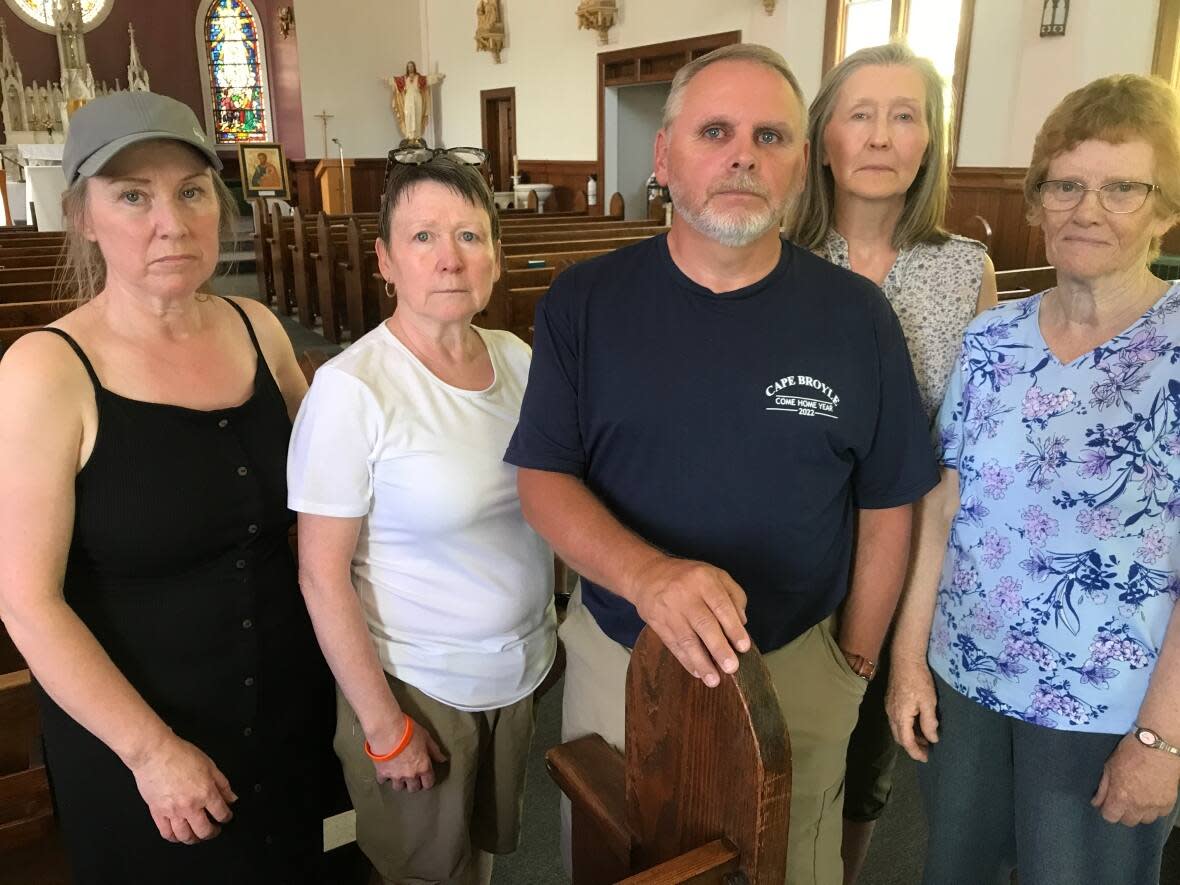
{"x":264,"y":170}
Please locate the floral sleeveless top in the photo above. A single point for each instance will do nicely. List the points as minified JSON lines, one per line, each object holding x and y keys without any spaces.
{"x":933,"y":288}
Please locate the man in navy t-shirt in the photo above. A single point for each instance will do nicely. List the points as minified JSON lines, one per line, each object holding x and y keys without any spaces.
{"x":707,"y":414}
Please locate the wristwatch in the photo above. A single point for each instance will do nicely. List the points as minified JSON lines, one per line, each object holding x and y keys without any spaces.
{"x":1153,"y":741}
{"x":861,"y":666}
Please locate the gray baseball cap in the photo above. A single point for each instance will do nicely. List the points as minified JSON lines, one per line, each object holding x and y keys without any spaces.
{"x":103,"y":127}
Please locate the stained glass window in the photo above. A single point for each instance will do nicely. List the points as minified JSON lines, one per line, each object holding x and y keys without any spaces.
{"x":235,"y":73}
{"x":42,"y":10}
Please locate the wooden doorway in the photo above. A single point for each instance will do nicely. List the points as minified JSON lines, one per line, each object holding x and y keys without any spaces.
{"x":497,"y":114}
{"x":642,"y":65}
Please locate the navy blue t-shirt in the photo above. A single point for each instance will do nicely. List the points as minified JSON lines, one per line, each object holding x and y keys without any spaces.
{"x":739,"y":429}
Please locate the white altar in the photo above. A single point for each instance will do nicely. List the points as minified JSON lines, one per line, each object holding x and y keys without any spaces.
{"x":44,"y":183}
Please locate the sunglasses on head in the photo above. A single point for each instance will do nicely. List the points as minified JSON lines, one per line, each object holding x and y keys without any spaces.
{"x":416,"y":156}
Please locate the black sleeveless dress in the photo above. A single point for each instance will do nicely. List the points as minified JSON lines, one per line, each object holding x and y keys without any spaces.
{"x":180,"y":566}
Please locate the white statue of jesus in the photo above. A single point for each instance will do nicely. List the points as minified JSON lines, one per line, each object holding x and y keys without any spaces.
{"x":411,"y":101}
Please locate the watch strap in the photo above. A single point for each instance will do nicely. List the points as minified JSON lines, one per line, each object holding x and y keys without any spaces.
{"x":1150,"y":738}
{"x":861,"y":666}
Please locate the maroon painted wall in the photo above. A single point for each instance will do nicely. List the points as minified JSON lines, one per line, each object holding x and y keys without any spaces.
{"x":165,"y":31}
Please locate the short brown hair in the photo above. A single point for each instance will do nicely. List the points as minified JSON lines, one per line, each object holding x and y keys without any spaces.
{"x":461,"y":178}
{"x":751,"y":52}
{"x":925,"y":202}
{"x":1115,"y":109}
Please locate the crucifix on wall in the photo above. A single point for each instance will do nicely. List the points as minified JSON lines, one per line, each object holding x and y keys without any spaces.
{"x":323,"y":116}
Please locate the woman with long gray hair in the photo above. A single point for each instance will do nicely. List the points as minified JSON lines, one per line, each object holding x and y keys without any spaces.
{"x":875,"y":202}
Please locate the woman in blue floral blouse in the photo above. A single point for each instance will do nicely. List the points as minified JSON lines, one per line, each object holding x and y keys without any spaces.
{"x":1036,"y":662}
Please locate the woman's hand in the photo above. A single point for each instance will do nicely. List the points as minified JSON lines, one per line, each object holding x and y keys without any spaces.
{"x":911,"y":705}
{"x":412,"y":769}
{"x":185,"y":792}
{"x":1138,"y":784}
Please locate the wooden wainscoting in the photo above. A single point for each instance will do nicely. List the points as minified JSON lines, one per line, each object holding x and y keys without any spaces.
{"x":367,"y":177}
{"x":568,"y":178}
{"x":995,"y":195}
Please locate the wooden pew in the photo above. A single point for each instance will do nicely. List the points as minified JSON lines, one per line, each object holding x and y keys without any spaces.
{"x":28,"y":274}
{"x":280,"y":260}
{"x":603,"y":232}
{"x":359,"y":264}
{"x":607,"y":224}
{"x":10,"y":658}
{"x":703,"y":789}
{"x":527,"y":249}
{"x":551,"y":256}
{"x":26,"y":811}
{"x":260,"y":240}
{"x":324,"y":242}
{"x":36,"y":290}
{"x":52,"y":253}
{"x":32,"y":313}
{"x":11,"y":261}
{"x":1024,"y":281}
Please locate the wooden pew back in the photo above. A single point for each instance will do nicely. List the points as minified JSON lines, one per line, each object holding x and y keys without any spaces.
{"x":34,"y":290}
{"x":26,"y":810}
{"x":1024,"y":281}
{"x":707,"y":773}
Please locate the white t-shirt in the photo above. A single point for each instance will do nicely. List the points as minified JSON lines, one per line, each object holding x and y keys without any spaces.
{"x":456,"y":588}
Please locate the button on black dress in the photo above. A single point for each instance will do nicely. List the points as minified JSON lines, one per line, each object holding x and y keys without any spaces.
{"x":180,"y":566}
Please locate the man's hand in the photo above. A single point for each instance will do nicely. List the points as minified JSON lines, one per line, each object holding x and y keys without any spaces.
{"x":1138,"y":784}
{"x":697,"y":610}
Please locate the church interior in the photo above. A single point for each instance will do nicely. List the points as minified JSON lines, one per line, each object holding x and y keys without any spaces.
{"x":305,"y":101}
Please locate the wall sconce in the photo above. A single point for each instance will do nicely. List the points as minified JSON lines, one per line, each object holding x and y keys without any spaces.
{"x":1054,"y":15}
{"x":768,"y":5}
{"x":286,"y":20}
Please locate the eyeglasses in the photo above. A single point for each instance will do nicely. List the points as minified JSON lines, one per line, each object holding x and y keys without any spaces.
{"x":416,"y":156}
{"x":1119,"y":197}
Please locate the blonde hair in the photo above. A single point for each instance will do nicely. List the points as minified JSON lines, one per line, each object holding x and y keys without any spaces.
{"x":1115,"y":109}
{"x":925,"y":201}
{"x":751,"y":52}
{"x":83,"y":273}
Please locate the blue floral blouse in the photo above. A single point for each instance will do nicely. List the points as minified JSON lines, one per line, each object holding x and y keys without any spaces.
{"x":1063,"y":564}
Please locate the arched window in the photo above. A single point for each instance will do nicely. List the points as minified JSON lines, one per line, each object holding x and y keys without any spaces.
{"x":39,"y":13}
{"x":236,"y":88}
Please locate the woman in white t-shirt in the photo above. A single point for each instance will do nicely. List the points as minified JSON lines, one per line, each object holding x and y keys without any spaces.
{"x":431,"y":596}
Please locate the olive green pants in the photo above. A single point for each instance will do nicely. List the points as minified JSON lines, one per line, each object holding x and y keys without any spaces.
{"x":431,"y":837}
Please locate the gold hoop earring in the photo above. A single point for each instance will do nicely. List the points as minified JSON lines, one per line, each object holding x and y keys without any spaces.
{"x":390,"y":291}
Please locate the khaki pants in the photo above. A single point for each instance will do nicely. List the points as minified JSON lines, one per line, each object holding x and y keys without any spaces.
{"x":819,"y":695}
{"x":431,"y":837}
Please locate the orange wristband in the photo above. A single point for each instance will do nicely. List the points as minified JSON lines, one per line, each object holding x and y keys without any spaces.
{"x":407,"y":735}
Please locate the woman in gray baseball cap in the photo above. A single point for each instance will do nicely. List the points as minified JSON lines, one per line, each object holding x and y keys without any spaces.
{"x":147,"y":577}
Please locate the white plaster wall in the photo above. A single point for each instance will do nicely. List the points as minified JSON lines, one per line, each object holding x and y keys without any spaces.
{"x":1015,"y":76}
{"x":552,"y":64}
{"x":345,"y":48}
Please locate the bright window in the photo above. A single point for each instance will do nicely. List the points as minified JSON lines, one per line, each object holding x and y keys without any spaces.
{"x":237,"y":91}
{"x":931,"y":27}
{"x":39,"y":13}
{"x":866,"y":23}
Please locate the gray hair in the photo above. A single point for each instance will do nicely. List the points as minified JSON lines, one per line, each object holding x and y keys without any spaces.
{"x":751,"y":52}
{"x":925,"y":202}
